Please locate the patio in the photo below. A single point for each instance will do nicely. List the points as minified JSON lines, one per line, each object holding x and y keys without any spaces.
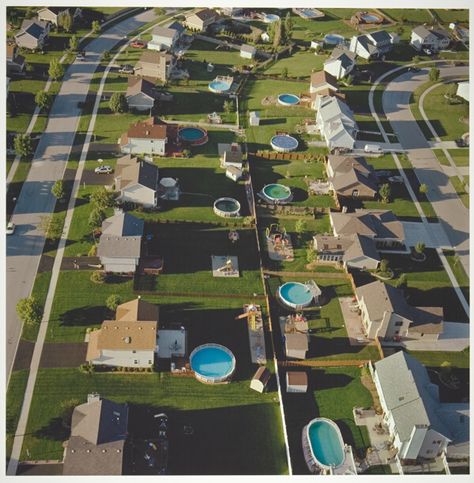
{"x":353,"y":322}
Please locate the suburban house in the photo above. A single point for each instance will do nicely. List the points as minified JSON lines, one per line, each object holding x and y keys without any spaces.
{"x":141,"y":94}
{"x":201,"y":20}
{"x":136,"y":181}
{"x":387,"y":315}
{"x":381,"y":225}
{"x":247,"y":51}
{"x":372,"y":45}
{"x":341,"y":63}
{"x":149,"y":137}
{"x":230,"y":11}
{"x":15,"y":62}
{"x":156,"y":64}
{"x":434,"y":39}
{"x":463,"y":90}
{"x":335,"y":121}
{"x":322,"y":84}
{"x":421,"y":426}
{"x":55,"y":15}
{"x":351,"y":177}
{"x":32,"y":34}
{"x":120,"y":243}
{"x":296,"y":381}
{"x":128,"y":341}
{"x":165,"y":38}
{"x":98,"y":435}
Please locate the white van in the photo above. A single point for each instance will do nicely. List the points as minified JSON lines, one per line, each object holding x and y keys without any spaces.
{"x":373,"y":148}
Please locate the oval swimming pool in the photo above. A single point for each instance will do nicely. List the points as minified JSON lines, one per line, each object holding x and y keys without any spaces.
{"x":333,"y":39}
{"x":295,"y":295}
{"x":326,"y":443}
{"x":288,"y":99}
{"x":219,"y":86}
{"x":270,"y":17}
{"x":212,"y":363}
{"x":371,"y":18}
{"x":277,"y":192}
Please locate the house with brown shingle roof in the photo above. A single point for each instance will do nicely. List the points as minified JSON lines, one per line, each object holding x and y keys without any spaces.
{"x":387,"y":315}
{"x":145,"y":137}
{"x":128,"y":341}
{"x":141,"y":94}
{"x":136,"y":181}
{"x":201,"y":19}
{"x":322,"y":84}
{"x":15,"y":61}
{"x":98,"y":436}
{"x":156,"y":65}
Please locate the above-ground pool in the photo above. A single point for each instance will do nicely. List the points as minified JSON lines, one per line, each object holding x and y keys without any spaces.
{"x":226,"y":207}
{"x":212,"y":363}
{"x":277,"y":193}
{"x":295,"y":295}
{"x":371,"y":17}
{"x":270,"y":17}
{"x":325,"y":442}
{"x":195,"y":136}
{"x":219,"y":86}
{"x":284,"y":143}
{"x":333,"y":39}
{"x":308,"y":12}
{"x":288,"y":99}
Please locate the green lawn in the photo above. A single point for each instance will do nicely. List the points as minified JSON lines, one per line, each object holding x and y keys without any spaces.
{"x":240,"y":427}
{"x":300,"y":64}
{"x":455,"y":15}
{"x":408,"y":15}
{"x":14,"y":400}
{"x":460,"y":190}
{"x":459,"y":272}
{"x":436,"y":358}
{"x":460,"y":157}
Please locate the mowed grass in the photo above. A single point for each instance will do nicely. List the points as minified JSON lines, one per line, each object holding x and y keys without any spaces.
{"x":408,"y":15}
{"x":14,"y":400}
{"x":459,"y":272}
{"x":238,"y":426}
{"x":300,"y":64}
{"x":460,"y":157}
{"x":459,"y":359}
{"x":460,"y":190}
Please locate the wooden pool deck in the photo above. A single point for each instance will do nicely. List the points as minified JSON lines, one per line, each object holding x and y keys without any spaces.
{"x":256,"y":334}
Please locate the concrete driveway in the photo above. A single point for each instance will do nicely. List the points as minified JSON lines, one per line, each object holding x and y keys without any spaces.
{"x":432,"y":235}
{"x":453,"y":215}
{"x":24,"y":248}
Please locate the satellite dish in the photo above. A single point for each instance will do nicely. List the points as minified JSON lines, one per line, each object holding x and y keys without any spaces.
{"x":100,"y":160}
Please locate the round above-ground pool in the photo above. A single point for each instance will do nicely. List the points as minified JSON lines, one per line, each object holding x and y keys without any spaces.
{"x":288,"y":99}
{"x":284,"y":143}
{"x":270,"y":17}
{"x":333,"y":39}
{"x":371,"y":17}
{"x":277,"y":193}
{"x":212,"y":363}
{"x":195,"y":136}
{"x":219,"y":86}
{"x":295,"y":295}
{"x":226,"y":207}
{"x":325,"y":443}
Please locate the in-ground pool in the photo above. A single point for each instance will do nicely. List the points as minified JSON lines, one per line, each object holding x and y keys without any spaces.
{"x":226,"y":207}
{"x":212,"y":363}
{"x":270,"y":17}
{"x":325,"y":442}
{"x":371,"y":17}
{"x":333,"y":39}
{"x":277,"y":193}
{"x":195,"y":136}
{"x":284,"y":143}
{"x":295,"y":295}
{"x":288,"y":99}
{"x":219,"y":86}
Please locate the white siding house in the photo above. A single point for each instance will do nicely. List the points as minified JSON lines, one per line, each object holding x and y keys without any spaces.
{"x":433,"y":39}
{"x":372,"y":45}
{"x":340,"y":64}
{"x":165,"y":38}
{"x":147,"y":137}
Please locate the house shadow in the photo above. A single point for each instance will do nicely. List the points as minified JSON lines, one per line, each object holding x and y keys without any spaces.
{"x":83,"y":316}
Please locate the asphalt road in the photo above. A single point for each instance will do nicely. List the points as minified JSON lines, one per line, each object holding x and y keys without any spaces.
{"x":24,"y":248}
{"x":453,"y":215}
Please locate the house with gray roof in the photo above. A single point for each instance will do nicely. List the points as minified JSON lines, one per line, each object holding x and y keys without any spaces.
{"x":341,"y":63}
{"x":55,"y":15}
{"x":386,"y":314}
{"x":15,"y":61}
{"x":422,"y":427}
{"x":372,"y":45}
{"x":136,"y":181}
{"x":98,"y":435}
{"x":32,"y":34}
{"x":165,"y":38}
{"x":335,"y":121}
{"x":141,"y":94}
{"x":120,"y":243}
{"x":434,"y":39}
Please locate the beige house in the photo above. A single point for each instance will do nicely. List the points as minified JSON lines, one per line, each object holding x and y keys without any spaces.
{"x":201,"y":20}
{"x":32,"y":34}
{"x":386,"y":314}
{"x":98,"y":435}
{"x":55,"y":15}
{"x":156,"y":64}
{"x":141,"y":94}
{"x":145,"y":137}
{"x":128,"y":341}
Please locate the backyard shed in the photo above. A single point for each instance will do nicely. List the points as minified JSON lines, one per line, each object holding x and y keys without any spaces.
{"x":260,"y":379}
{"x":296,"y":381}
{"x":254,"y":118}
{"x":296,"y":345}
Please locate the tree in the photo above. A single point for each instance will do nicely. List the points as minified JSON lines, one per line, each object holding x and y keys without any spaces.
{"x":73,"y":43}
{"x":96,"y":217}
{"x":159,"y":11}
{"x":95,"y":26}
{"x":434,"y":74}
{"x":29,"y":310}
{"x":105,"y":56}
{"x":288,"y":28}
{"x":118,"y":102}
{"x":277,"y":37}
{"x":420,"y":248}
{"x":112,"y":302}
{"x":51,"y":226}
{"x":284,"y":73}
{"x":300,"y":227}
{"x":43,"y":100}
{"x":310,"y":255}
{"x":385,"y":192}
{"x":23,"y":145}
{"x":58,"y":189}
{"x":423,"y":189}
{"x":56,"y":69}
{"x":384,"y":265}
{"x":66,"y":22}
{"x":97,"y":276}
{"x":67,"y":408}
{"x":102,"y":198}
{"x":228,"y":106}
{"x":402,"y":281}
{"x":416,"y":59}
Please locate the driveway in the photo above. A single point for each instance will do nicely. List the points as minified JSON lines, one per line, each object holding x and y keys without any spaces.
{"x":453,"y":215}
{"x":432,"y":234}
{"x":24,"y":248}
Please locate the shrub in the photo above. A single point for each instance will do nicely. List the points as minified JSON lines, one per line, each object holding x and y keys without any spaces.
{"x":58,"y":189}
{"x":23,"y":145}
{"x":112,"y":302}
{"x":29,"y":310}
{"x":98,"y":276}
{"x":92,"y":251}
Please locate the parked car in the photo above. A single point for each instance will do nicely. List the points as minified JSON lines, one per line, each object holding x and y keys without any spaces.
{"x":138,"y":44}
{"x":373,"y":148}
{"x":103,"y":170}
{"x":428,"y":51}
{"x":413,"y":69}
{"x":126,"y":69}
{"x":10,"y":228}
{"x":396,"y":179}
{"x":460,"y":143}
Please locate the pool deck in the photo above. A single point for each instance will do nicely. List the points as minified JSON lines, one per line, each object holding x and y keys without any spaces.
{"x":256,"y":337}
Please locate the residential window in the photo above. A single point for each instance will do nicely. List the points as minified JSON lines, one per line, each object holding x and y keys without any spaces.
{"x":134,"y":352}
{"x":135,"y":361}
{"x":326,"y":246}
{"x":398,"y":323}
{"x":339,"y":247}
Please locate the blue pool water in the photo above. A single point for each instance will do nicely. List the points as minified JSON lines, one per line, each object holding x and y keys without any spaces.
{"x":212,"y":362}
{"x":284,"y":142}
{"x":191,"y":133}
{"x":326,"y":443}
{"x":295,"y":294}
{"x":270,"y":18}
{"x":219,"y":86}
{"x":333,"y":39}
{"x":277,"y":191}
{"x":288,"y":99}
{"x":369,"y":18}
